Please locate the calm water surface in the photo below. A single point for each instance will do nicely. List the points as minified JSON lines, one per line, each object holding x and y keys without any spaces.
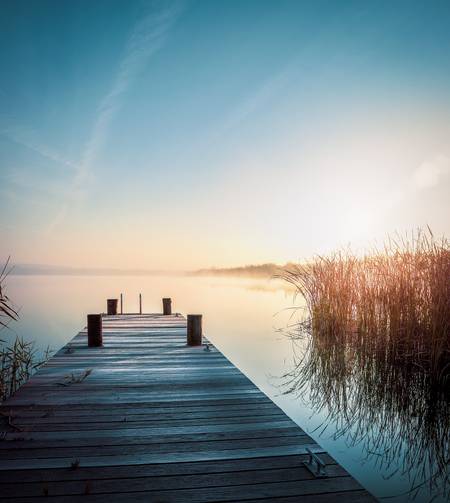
{"x":240,"y":318}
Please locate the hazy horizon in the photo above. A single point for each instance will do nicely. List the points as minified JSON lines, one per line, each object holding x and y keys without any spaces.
{"x":179,"y":135}
{"x":24,"y":269}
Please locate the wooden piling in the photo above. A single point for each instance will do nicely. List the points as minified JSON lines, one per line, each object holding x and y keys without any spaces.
{"x":95,"y":330}
{"x":121,"y":304}
{"x":140,"y":303}
{"x":194,"y":329}
{"x":111,"y":306}
{"x":167,"y":306}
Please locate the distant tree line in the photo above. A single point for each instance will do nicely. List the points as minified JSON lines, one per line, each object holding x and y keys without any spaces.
{"x":267,"y":270}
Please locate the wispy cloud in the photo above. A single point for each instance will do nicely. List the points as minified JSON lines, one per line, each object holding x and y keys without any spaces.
{"x":27,"y":137}
{"x":18,"y":185}
{"x":259,"y":98}
{"x":148,"y":37}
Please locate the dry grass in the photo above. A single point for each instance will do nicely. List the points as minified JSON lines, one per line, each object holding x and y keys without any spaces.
{"x":19,"y":360}
{"x":378,"y":356}
{"x":7,"y":313}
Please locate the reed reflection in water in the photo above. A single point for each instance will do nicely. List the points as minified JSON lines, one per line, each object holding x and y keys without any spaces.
{"x":374,"y":353}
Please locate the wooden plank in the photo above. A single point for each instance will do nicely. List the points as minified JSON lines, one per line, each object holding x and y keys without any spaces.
{"x":298,"y":488}
{"x":172,"y":469}
{"x":182,"y":404}
{"x":125,"y":431}
{"x":47,"y":443}
{"x":250,"y":408}
{"x":295,"y":439}
{"x":146,"y":458}
{"x":154,"y":420}
{"x":163,"y":483}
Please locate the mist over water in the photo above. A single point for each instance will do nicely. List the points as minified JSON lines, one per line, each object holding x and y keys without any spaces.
{"x":240,"y":316}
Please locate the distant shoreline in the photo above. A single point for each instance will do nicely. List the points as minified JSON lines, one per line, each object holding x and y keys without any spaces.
{"x":268,"y":270}
{"x":250,"y":271}
{"x":32,"y":270}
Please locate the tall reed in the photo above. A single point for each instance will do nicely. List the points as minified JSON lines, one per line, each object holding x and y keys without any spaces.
{"x":7,"y":312}
{"x":378,"y":353}
{"x":19,"y":360}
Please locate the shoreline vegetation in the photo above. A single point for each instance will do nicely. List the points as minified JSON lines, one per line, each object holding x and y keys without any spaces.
{"x":19,"y":360}
{"x":268,"y":270}
{"x":377,"y":360}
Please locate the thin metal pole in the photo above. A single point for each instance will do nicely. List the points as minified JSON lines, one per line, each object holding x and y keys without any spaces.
{"x":121,"y":304}
{"x":140,"y":303}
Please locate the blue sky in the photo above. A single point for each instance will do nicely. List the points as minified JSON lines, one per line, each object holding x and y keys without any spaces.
{"x":188,"y":134}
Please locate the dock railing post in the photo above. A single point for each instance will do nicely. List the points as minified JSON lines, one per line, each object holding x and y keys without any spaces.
{"x":167,"y":306}
{"x":111,"y":306}
{"x":194,"y":329}
{"x":94,"y":330}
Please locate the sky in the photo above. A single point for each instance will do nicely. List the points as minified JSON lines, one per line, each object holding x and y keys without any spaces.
{"x":188,"y":134}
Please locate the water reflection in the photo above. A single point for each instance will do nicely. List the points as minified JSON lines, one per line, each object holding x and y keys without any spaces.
{"x":397,"y":414}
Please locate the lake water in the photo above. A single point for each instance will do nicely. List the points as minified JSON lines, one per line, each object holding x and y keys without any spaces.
{"x":240,"y":316}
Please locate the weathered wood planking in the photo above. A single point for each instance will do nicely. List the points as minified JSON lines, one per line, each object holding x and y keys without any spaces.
{"x":147,"y":418}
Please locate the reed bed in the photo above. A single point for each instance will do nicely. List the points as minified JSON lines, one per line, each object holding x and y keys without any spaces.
{"x":19,"y":360}
{"x":378,"y":351}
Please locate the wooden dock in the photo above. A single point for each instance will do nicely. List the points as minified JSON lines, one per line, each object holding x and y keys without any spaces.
{"x":146,"y":418}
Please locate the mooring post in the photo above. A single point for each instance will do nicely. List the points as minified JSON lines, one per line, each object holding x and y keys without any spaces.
{"x":95,"y":330}
{"x":140,"y":303}
{"x":111,"y":306}
{"x":121,"y":304}
{"x":167,"y":306}
{"x":194,"y":329}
